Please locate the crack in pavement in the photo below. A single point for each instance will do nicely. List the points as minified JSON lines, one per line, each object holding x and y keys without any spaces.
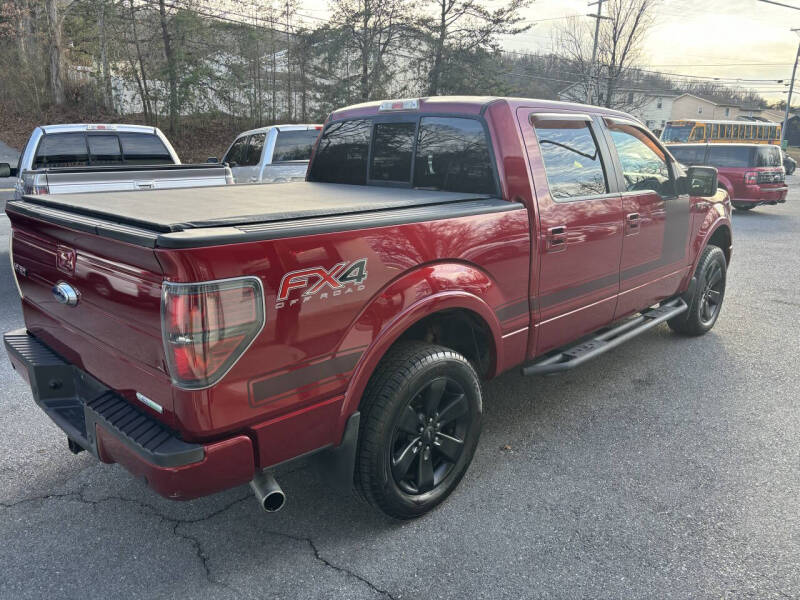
{"x":202,"y":556}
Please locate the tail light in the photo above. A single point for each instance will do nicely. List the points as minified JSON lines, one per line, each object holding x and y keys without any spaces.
{"x":751,"y":178}
{"x":208,"y":326}
{"x":35,"y":184}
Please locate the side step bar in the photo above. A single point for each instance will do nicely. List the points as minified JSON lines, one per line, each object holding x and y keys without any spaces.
{"x":574,"y":356}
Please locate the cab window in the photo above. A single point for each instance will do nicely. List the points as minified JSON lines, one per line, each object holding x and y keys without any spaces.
{"x":571,"y":158}
{"x":644,"y":164}
{"x":236,"y":153}
{"x":392,"y":146}
{"x":342,"y":153}
{"x":453,"y":155}
{"x":62,"y":150}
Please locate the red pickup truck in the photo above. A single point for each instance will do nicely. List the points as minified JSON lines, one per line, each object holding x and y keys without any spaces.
{"x":201,"y":337}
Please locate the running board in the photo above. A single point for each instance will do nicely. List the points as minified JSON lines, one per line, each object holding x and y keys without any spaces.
{"x":606,"y":340}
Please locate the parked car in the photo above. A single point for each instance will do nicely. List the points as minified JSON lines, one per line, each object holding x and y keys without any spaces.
{"x":789,"y":164}
{"x":272,"y":154}
{"x":201,"y":337}
{"x":752,"y":174}
{"x":65,"y":159}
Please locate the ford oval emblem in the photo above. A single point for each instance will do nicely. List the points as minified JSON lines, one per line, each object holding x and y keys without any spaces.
{"x":65,"y":293}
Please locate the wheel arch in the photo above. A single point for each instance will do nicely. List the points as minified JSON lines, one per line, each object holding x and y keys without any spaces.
{"x":450,"y":314}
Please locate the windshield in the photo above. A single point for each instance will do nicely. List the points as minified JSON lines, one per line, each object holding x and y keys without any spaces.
{"x":676,"y":133}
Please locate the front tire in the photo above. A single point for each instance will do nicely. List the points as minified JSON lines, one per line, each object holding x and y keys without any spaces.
{"x":421,"y":420}
{"x":706,"y":301}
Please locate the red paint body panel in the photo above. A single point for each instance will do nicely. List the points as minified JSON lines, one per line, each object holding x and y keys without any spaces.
{"x":293,"y":390}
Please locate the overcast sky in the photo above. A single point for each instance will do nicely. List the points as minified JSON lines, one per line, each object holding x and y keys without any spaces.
{"x":753,"y":39}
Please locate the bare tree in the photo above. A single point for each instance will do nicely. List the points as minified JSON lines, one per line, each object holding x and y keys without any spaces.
{"x":611,"y":80}
{"x":373,"y":28}
{"x":461,"y":26}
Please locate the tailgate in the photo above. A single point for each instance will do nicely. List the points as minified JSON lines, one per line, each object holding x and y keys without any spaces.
{"x":112,"y":330}
{"x":105,"y":180}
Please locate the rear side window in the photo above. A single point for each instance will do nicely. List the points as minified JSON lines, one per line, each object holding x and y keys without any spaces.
{"x":391,"y":152}
{"x":342,"y":153}
{"x":769,"y":156}
{"x":144,"y":149}
{"x":571,"y":159}
{"x":729,"y":156}
{"x":236,"y":154}
{"x":254,"y":147}
{"x":104,"y":150}
{"x":689,"y":155}
{"x":62,"y":150}
{"x":294,"y":145}
{"x":453,"y":155}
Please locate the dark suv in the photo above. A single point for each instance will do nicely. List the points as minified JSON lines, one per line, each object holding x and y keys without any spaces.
{"x":752,"y":174}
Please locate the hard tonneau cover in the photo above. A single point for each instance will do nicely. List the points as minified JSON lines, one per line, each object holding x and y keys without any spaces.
{"x":165,"y":211}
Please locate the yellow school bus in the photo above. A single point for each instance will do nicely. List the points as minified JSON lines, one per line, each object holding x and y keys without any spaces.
{"x":752,"y":132}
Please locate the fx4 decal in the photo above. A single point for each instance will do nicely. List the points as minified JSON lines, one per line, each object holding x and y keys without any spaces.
{"x":342,"y":278}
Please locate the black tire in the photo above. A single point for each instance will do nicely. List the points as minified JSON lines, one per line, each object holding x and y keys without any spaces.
{"x":408,"y":464}
{"x":743,"y":207}
{"x":705,"y":303}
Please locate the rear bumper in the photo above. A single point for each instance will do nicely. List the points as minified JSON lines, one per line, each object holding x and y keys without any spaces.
{"x":102,"y":422}
{"x":755,"y":194}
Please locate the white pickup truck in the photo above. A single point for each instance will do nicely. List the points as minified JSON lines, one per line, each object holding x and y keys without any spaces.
{"x":272,"y":154}
{"x":64,"y":159}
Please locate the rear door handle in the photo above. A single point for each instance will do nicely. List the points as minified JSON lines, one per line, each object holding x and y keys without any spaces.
{"x":557,"y":239}
{"x":145,"y":185}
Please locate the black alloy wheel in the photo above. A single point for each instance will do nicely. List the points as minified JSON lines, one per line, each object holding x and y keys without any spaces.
{"x":711,"y":298}
{"x":429,"y":437}
{"x":420,"y":424}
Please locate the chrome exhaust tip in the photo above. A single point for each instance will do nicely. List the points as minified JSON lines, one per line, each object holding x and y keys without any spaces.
{"x":268,"y":492}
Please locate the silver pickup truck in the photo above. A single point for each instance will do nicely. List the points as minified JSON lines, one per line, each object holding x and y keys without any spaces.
{"x":272,"y":154}
{"x":65,"y":159}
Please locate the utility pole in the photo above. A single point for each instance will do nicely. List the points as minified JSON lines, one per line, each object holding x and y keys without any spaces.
{"x":789,"y":99}
{"x":597,"y":18}
{"x":794,"y":70}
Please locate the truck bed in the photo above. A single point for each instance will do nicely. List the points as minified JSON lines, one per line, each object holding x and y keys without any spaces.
{"x":215,"y":215}
{"x":180,"y":209}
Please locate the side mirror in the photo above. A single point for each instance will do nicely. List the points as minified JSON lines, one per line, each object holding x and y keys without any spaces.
{"x":700,"y":181}
{"x":213,"y":160}
{"x":5,"y":170}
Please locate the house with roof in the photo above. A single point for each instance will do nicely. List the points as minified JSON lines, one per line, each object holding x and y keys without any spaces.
{"x":689,"y":106}
{"x":652,"y":108}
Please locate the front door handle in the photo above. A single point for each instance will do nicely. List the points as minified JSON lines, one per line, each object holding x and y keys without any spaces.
{"x":632,"y":224}
{"x":557,"y":239}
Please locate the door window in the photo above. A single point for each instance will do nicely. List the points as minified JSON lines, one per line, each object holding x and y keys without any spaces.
{"x":236,"y":154}
{"x":644,"y":164}
{"x":689,"y":155}
{"x":571,"y":158}
{"x":254,"y":147}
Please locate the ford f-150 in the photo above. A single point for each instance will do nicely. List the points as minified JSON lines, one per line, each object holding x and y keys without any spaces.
{"x":69,"y":159}
{"x":202,"y":337}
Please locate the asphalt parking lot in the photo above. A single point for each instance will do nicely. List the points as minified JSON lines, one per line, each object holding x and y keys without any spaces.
{"x":669,"y":468}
